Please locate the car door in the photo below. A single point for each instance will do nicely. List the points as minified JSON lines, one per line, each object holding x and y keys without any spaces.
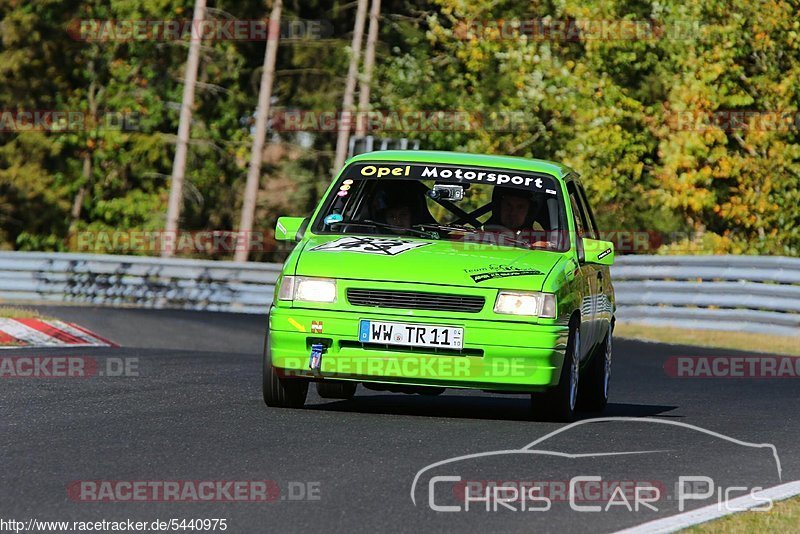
{"x":605,"y":291}
{"x":588,"y":273}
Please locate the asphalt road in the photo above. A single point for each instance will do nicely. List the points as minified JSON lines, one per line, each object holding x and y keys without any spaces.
{"x":195,"y":413}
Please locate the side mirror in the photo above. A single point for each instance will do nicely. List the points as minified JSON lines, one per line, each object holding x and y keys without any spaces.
{"x":288,"y":228}
{"x":596,"y":251}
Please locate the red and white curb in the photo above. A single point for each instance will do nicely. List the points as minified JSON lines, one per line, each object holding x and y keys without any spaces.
{"x":16,"y":333}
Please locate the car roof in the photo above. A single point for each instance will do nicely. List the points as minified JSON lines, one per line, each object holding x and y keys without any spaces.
{"x":552,"y":168}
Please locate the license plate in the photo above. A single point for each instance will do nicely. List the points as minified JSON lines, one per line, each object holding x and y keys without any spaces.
{"x":411,"y":335}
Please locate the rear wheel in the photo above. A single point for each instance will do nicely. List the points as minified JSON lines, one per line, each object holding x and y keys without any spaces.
{"x":558,"y":403}
{"x":281,"y":392}
{"x":330,"y":389}
{"x":597,"y":376}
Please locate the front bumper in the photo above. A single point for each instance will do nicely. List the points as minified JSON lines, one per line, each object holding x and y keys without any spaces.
{"x":497,"y":355}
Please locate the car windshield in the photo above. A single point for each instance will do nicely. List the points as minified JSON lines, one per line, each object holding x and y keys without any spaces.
{"x":495,"y":207}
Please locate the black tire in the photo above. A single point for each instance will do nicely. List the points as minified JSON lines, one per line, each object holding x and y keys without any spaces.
{"x":280,"y":392}
{"x":559,"y":403}
{"x":331,"y":389}
{"x":596,"y":376}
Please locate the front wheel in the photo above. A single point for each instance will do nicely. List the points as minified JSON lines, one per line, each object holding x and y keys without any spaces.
{"x":281,"y":392}
{"x":558,"y":403}
{"x":594,"y":390}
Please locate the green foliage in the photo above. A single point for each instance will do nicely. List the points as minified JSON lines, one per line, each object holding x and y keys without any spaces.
{"x":618,"y":110}
{"x":608,"y":108}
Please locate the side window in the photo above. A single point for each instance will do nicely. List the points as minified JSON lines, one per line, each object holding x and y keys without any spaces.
{"x":592,"y":224}
{"x":579,"y":217}
{"x":578,"y":212}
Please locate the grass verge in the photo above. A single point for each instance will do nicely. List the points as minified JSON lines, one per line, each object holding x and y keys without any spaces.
{"x":15,"y":312}
{"x":784,"y":517}
{"x":759,"y":343}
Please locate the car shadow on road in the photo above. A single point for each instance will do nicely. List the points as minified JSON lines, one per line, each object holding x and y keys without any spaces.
{"x":504,"y":408}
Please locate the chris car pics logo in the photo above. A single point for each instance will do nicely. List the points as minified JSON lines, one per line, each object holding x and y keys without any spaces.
{"x":515,"y":479}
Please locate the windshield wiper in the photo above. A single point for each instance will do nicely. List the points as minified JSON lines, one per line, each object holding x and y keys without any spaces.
{"x":468,"y":230}
{"x":449,"y":228}
{"x":376,"y":224}
{"x":526,"y":244}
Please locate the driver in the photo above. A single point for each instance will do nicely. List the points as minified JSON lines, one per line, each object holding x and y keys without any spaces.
{"x":516,"y":211}
{"x":398,"y":215}
{"x":401,"y":204}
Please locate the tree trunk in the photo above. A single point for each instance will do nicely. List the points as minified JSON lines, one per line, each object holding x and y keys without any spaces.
{"x":350,"y":87}
{"x":77,"y":204}
{"x":184,"y":127}
{"x":86,"y":172}
{"x":369,"y":63}
{"x":262,"y":115}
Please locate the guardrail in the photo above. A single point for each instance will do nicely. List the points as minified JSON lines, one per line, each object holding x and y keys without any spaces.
{"x":137,"y":281}
{"x":738,"y":293}
{"x":368,"y":143}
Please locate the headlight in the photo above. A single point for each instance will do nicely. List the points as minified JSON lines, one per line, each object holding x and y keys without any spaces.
{"x":527,"y":303}
{"x":305,"y":289}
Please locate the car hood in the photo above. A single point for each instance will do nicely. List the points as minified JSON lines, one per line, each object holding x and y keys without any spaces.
{"x":406,"y":259}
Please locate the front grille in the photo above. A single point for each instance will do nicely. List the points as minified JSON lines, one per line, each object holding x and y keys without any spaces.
{"x":414,"y":300}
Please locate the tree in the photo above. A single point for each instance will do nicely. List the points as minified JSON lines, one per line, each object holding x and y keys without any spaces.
{"x":262,"y":113}
{"x":350,"y":86}
{"x":184,"y":127}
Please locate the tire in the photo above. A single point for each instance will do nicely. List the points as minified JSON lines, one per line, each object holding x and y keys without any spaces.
{"x":558,"y":404}
{"x":330,"y":389}
{"x":281,"y":392}
{"x":597,"y":375}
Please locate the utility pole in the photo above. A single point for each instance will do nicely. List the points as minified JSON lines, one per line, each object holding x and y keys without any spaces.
{"x":184,"y":127}
{"x":369,"y":63}
{"x":262,"y":115}
{"x":350,"y":87}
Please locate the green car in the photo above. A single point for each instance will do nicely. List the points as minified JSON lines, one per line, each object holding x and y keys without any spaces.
{"x":421,"y":271}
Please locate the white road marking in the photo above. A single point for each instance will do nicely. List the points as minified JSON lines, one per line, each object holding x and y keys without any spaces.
{"x":683,"y":520}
